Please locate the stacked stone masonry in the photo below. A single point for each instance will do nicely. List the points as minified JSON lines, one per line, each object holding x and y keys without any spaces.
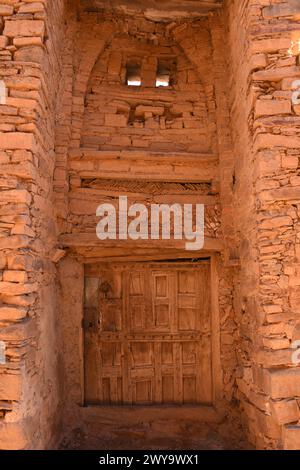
{"x":265,"y":62}
{"x":74,"y":134}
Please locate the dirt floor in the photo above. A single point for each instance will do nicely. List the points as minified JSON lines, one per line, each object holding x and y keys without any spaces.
{"x":202,"y":436}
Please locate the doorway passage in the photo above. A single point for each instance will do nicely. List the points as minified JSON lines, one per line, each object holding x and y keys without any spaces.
{"x":148,"y":334}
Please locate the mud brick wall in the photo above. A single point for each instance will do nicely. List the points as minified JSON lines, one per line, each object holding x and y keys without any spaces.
{"x":116,"y":117}
{"x":264,"y":63}
{"x":67,"y":102}
{"x":174,"y":118}
{"x":107,"y":117}
{"x":30,"y":42}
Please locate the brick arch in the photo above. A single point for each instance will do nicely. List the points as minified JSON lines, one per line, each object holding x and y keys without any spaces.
{"x":195,"y":40}
{"x":92,"y":41}
{"x":183,"y":35}
{"x":84,"y":44}
{"x":109,"y":74}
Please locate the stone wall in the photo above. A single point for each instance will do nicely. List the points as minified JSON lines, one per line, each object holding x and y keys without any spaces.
{"x":173,"y":118}
{"x":118,"y":119}
{"x":107,"y":117}
{"x":231,"y":98}
{"x":265,"y":129}
{"x":31,"y":38}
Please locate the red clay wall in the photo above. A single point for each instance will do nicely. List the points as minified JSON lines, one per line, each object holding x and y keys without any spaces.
{"x":106,"y":118}
{"x":30,"y":42}
{"x":257,"y":140}
{"x":157,"y":119}
{"x":266,"y":195}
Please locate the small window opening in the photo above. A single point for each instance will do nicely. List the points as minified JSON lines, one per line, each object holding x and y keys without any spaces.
{"x":162,"y":76}
{"x":133,"y":74}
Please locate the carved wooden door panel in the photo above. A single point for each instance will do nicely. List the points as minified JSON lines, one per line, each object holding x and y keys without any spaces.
{"x":148,"y":334}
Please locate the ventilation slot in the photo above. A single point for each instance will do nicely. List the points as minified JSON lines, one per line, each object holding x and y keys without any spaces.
{"x":162,"y":76}
{"x":133,"y":74}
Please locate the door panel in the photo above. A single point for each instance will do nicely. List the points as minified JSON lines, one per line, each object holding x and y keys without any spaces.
{"x":148,"y":334}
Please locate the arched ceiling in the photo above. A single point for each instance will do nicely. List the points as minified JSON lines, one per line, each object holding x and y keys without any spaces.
{"x":156,"y":10}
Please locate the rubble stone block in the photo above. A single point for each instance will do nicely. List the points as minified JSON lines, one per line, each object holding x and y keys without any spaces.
{"x":12,"y":288}
{"x":270,"y":45}
{"x":6,"y":10}
{"x":273,"y":107}
{"x":10,"y":387}
{"x":286,"y":411}
{"x":14,"y":28}
{"x":291,"y":437}
{"x":290,"y":161}
{"x":32,"y":7}
{"x":3,"y":41}
{"x":15,"y":276}
{"x":12,"y":314}
{"x":13,"y":436}
{"x":276,"y":343}
{"x":115,"y":120}
{"x":291,"y":8}
{"x":282,"y":383}
{"x":17,"y":140}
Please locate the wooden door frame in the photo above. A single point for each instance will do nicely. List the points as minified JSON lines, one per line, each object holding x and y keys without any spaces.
{"x":215,"y":332}
{"x":217,"y":383}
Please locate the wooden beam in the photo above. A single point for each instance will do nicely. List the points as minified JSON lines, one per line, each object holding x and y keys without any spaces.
{"x":93,"y":270}
{"x":216,"y":333}
{"x":159,"y":10}
{"x":154,"y":166}
{"x":89,"y":240}
{"x":93,"y":256}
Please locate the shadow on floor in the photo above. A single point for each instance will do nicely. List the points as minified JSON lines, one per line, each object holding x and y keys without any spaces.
{"x":198,"y":437}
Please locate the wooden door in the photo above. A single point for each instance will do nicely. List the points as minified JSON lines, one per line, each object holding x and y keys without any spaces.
{"x":148,"y":334}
